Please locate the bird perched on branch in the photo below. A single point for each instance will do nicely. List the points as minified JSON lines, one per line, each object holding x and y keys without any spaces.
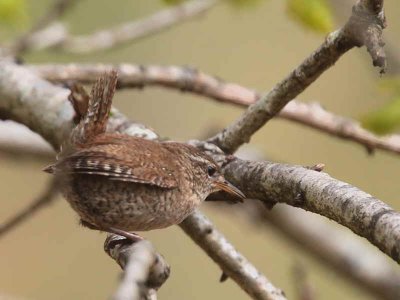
{"x":122,"y":184}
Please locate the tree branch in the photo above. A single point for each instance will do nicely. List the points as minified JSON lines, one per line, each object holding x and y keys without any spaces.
{"x":232,"y":263}
{"x":17,"y":141}
{"x":191,"y":80}
{"x":145,"y":271}
{"x":333,"y":247}
{"x":369,"y":271}
{"x":23,"y":95}
{"x":363,"y":28}
{"x":57,"y":36}
{"x":319,"y":193}
{"x":56,"y":10}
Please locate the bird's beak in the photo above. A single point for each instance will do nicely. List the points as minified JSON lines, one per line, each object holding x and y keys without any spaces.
{"x":223,"y":184}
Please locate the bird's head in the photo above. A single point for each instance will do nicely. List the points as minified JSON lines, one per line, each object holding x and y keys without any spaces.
{"x":208,"y":174}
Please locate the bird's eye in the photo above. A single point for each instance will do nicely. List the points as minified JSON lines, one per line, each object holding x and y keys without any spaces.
{"x":211,"y":170}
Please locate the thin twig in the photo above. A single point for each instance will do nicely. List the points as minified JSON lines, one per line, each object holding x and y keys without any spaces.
{"x":43,"y":200}
{"x":191,"y":80}
{"x":363,"y":28}
{"x":231,"y":262}
{"x":144,"y":269}
{"x":57,"y":36}
{"x":56,"y":10}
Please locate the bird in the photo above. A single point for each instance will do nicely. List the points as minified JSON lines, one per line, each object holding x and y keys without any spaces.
{"x":123,"y":184}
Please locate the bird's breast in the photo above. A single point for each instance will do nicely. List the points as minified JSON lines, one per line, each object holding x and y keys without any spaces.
{"x":126,"y":205}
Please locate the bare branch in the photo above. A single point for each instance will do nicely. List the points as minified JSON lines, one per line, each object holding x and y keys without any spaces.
{"x":293,"y":185}
{"x":145,"y":270}
{"x":319,"y":193}
{"x":24,"y":96}
{"x":232,"y":263}
{"x":363,"y":28}
{"x":53,"y":34}
{"x":21,"y":104}
{"x":335,"y":248}
{"x":369,"y":271}
{"x":57,"y":35}
{"x":57,"y":9}
{"x":17,"y":141}
{"x":315,"y":116}
{"x":41,"y":201}
{"x":391,"y":47}
{"x":191,"y":80}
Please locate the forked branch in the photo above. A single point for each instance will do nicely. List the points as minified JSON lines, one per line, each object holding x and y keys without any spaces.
{"x":363,"y":28}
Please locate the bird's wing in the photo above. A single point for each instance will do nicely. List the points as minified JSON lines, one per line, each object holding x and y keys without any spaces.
{"x":122,"y":161}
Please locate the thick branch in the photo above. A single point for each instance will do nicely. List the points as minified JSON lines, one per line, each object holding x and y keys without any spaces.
{"x":57,"y":36}
{"x":232,"y":263}
{"x":319,"y":193}
{"x":191,"y":80}
{"x":24,"y":97}
{"x":336,"y":248}
{"x":363,"y":28}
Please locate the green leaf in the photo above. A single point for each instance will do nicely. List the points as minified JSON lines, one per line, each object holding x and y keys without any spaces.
{"x":313,"y":14}
{"x":384,"y":120}
{"x":13,"y":12}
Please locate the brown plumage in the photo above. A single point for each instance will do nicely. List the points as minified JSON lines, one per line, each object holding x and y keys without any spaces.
{"x":118,"y":183}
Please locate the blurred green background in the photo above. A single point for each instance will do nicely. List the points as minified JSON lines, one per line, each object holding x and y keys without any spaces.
{"x":51,"y":257}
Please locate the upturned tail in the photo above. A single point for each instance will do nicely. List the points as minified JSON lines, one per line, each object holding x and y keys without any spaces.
{"x":94,"y":121}
{"x":91,"y":114}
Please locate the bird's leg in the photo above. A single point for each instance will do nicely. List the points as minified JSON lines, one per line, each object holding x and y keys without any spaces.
{"x":129,"y":235}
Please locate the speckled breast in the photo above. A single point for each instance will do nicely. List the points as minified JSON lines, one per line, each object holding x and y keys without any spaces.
{"x":125,"y":205}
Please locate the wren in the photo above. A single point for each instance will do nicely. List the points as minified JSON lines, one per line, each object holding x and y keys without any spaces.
{"x":122,"y":184}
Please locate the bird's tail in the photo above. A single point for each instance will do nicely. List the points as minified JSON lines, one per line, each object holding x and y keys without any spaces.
{"x":94,"y":121}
